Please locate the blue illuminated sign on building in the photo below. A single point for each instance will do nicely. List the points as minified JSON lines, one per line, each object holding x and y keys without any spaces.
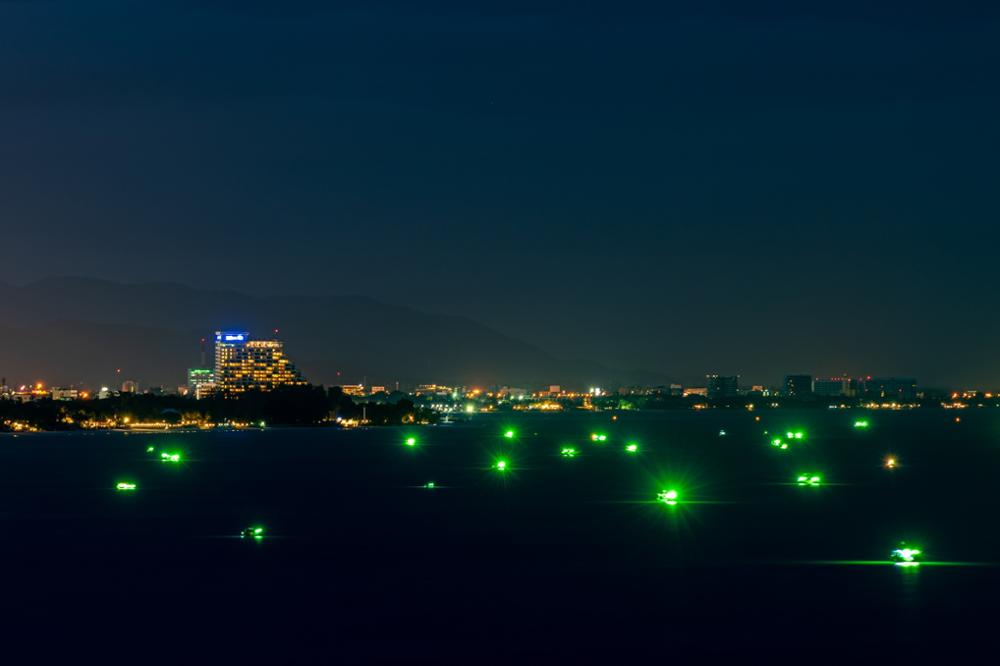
{"x":231,"y":337}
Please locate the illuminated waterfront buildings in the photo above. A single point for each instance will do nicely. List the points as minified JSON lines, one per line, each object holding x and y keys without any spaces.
{"x":201,"y":382}
{"x":243,"y":364}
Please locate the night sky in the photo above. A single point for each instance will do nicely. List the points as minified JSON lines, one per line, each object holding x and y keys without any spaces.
{"x":749,"y":187}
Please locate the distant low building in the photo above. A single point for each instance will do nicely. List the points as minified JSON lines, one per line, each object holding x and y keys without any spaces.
{"x":198,"y":377}
{"x":798,"y":386}
{"x":720,"y":386}
{"x":695,"y":390}
{"x":892,"y":388}
{"x":837,"y":387}
{"x":59,"y":393}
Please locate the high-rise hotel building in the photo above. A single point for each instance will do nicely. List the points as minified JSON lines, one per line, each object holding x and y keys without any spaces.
{"x":243,"y":364}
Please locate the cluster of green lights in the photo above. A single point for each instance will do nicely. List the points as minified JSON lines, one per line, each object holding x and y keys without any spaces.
{"x":722,"y":433}
{"x":150,"y":449}
{"x":778,"y":443}
{"x":809,"y":480}
{"x":170,"y":457}
{"x":598,"y":437}
{"x":509,"y":434}
{"x":430,"y":485}
{"x":632,"y":447}
{"x":125,"y":486}
{"x":668,"y":497}
{"x":501,"y":465}
{"x":861,"y":424}
{"x":568,"y":452}
{"x":798,"y":434}
{"x":906,"y":556}
{"x":255,"y":532}
{"x":410,"y":441}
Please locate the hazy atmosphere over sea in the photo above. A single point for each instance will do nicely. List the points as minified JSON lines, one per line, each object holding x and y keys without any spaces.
{"x":671,"y":188}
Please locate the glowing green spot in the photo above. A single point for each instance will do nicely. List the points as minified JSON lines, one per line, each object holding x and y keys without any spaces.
{"x":262,"y":424}
{"x":150,"y":449}
{"x":125,"y":486}
{"x":598,"y":437}
{"x":430,"y":485}
{"x":255,"y":532}
{"x":906,"y":556}
{"x":509,"y":434}
{"x":410,"y":441}
{"x":861,"y":424}
{"x":668,"y":497}
{"x":632,"y":448}
{"x":568,"y":452}
{"x":809,"y":480}
{"x":500,"y":465}
{"x":170,"y":457}
{"x":722,"y":433}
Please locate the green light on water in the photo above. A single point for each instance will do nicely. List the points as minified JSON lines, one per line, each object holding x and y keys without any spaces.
{"x":509,"y":434}
{"x":668,"y":497}
{"x":410,"y":441}
{"x":809,"y":480}
{"x":150,"y":449}
{"x":598,"y":437}
{"x":568,"y":452}
{"x":255,"y":532}
{"x":906,"y":556}
{"x":430,"y":485}
{"x":501,"y":465}
{"x":170,"y":457}
{"x":861,"y":424}
{"x":778,"y":443}
{"x":125,"y":486}
{"x":632,"y":448}
{"x":262,"y":424}
{"x":722,"y":433}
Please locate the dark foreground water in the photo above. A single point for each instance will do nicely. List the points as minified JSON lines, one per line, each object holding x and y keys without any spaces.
{"x":558,"y":560}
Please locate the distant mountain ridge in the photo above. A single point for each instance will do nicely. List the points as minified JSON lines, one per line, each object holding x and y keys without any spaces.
{"x":80,"y":330}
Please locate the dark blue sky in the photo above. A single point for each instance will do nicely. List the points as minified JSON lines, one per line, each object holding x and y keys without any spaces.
{"x":752,"y":188}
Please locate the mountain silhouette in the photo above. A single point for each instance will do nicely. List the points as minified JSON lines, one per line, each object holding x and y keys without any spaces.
{"x":71,"y":330}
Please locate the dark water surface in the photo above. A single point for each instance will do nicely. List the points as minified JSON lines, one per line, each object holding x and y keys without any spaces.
{"x":558,"y":560}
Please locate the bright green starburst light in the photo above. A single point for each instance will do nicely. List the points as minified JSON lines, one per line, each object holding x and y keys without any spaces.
{"x":668,"y":497}
{"x":632,"y":448}
{"x":568,"y":452}
{"x":125,"y":486}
